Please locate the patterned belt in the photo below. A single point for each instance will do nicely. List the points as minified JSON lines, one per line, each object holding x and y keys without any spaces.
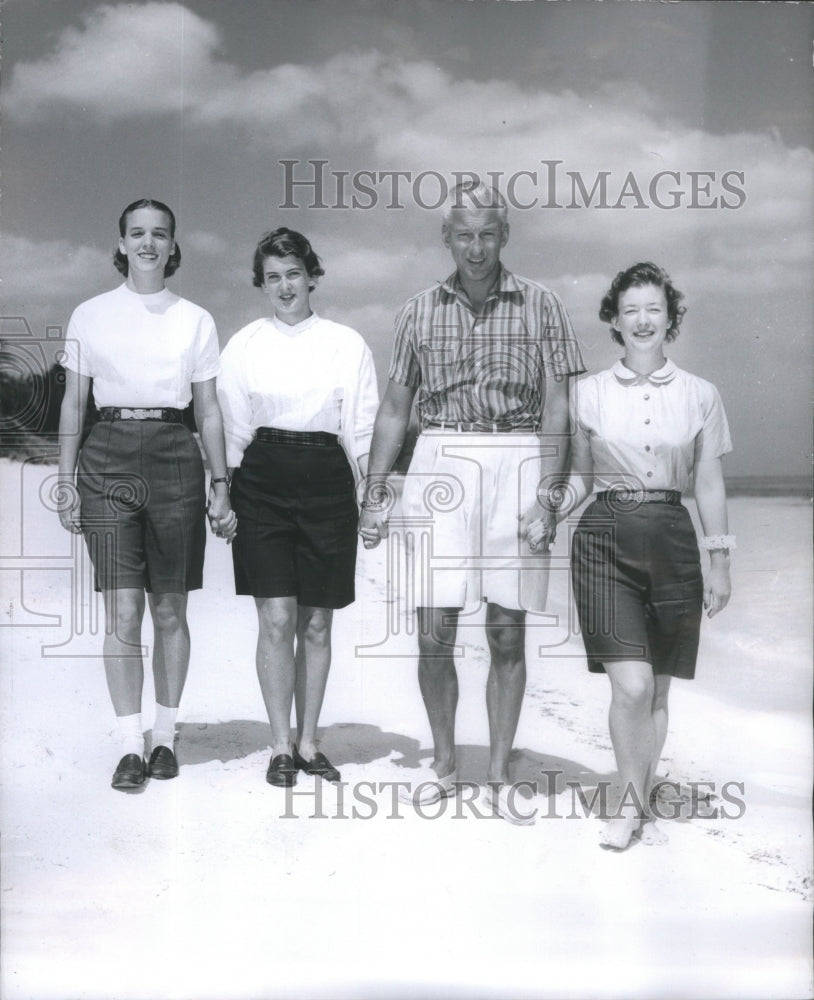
{"x":165,"y":413}
{"x":622,"y":496}
{"x":462,"y":427}
{"x":312,"y":439}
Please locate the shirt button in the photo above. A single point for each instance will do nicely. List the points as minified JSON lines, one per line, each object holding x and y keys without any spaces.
{"x":647,"y":420}
{"x":649,"y":475}
{"x":647,"y":395}
{"x":647,"y":447}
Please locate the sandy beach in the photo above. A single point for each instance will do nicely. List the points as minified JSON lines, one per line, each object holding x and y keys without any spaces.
{"x":217,"y":885}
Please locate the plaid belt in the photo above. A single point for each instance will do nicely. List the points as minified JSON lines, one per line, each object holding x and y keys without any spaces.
{"x":462,"y":427}
{"x":165,"y":413}
{"x":624,"y":496}
{"x":312,"y":439}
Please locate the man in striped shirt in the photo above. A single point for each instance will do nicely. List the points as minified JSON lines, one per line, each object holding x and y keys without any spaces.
{"x":489,"y":356}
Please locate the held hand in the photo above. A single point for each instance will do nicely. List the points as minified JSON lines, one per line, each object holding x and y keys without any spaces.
{"x":70,"y":508}
{"x":538,"y":528}
{"x":222,"y":519}
{"x":717,"y":589}
{"x":373,"y":526}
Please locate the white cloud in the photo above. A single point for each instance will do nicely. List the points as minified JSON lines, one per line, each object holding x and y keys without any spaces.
{"x":126,"y":60}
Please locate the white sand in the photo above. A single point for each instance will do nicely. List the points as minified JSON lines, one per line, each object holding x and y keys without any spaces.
{"x":203,"y":888}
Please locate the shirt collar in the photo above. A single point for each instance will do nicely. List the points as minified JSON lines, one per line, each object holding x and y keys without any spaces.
{"x":662,"y":376}
{"x":507,"y":287}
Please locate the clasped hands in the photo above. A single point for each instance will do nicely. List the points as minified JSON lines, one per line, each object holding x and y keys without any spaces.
{"x":222,"y":519}
{"x":538,"y":528}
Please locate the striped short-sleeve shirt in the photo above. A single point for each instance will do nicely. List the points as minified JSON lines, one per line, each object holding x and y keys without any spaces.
{"x":488,"y":367}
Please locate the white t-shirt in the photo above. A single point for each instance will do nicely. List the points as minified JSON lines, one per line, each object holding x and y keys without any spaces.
{"x":647,"y":432}
{"x":314,"y":376}
{"x":142,"y":350}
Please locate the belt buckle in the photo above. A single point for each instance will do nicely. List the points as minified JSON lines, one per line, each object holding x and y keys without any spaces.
{"x":638,"y":496}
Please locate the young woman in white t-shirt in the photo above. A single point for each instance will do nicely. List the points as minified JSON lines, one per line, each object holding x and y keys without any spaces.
{"x":139,"y":495}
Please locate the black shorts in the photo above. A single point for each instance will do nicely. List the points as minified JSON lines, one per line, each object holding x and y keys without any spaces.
{"x":141,"y":483}
{"x":637,"y":581}
{"x":296,"y":523}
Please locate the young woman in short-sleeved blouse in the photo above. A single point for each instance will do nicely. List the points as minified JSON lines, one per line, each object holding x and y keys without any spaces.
{"x":643,"y":431}
{"x":139,"y":498}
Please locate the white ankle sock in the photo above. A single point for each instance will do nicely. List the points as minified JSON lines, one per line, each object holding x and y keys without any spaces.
{"x":164,"y":726}
{"x":130,"y":734}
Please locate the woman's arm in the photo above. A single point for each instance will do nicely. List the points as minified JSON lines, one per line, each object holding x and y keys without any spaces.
{"x":210,"y":425}
{"x":71,"y":421}
{"x":710,"y":498}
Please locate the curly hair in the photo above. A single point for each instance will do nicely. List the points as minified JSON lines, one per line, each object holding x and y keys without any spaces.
{"x":284,"y":242}
{"x":644,"y":273}
{"x":120,"y":260}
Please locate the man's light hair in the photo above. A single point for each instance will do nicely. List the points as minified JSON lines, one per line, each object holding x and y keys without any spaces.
{"x":475,"y":194}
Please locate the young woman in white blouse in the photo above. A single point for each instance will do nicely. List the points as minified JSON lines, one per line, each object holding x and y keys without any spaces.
{"x":299,"y":397}
{"x":643,"y":431}
{"x":139,"y":498}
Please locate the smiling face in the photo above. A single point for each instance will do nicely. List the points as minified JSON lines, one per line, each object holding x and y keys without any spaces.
{"x":287,"y":283}
{"x":147,"y":243}
{"x":642,"y":321}
{"x":475,"y":236}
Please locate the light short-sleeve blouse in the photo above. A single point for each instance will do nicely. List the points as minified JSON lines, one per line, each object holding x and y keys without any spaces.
{"x":647,"y":431}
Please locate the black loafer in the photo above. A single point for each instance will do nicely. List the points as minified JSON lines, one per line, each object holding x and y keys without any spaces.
{"x":282,"y":771}
{"x":129,"y":773}
{"x":162,"y":764}
{"x":318,"y":765}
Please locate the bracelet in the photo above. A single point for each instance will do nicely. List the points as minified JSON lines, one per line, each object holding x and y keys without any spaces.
{"x":714,"y":543}
{"x":373,"y":505}
{"x":221,"y":479}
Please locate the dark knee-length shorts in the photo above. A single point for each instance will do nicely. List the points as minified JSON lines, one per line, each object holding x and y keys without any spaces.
{"x":637,"y":582}
{"x":141,"y":483}
{"x":296,"y":523}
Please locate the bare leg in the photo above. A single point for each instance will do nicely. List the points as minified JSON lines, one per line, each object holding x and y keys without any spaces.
{"x":171,"y":647}
{"x":277,"y":620}
{"x":650,"y":833}
{"x":506,"y":685}
{"x":438,"y":681}
{"x":634,"y":741}
{"x":124,"y":667}
{"x":313,"y":661}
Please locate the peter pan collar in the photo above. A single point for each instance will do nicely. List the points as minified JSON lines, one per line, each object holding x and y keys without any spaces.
{"x":662,"y":376}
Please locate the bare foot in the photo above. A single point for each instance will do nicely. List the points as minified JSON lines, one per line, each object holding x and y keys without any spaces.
{"x":652,"y":834}
{"x":618,"y":832}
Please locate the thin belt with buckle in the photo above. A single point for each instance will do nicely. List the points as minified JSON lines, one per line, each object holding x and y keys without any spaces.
{"x":166,"y":413}
{"x":462,"y":427}
{"x":624,"y":496}
{"x":311,"y":439}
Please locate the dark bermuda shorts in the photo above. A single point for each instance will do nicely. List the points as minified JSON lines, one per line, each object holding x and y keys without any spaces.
{"x":637,"y":581}
{"x":143,"y":506}
{"x":296,"y":523}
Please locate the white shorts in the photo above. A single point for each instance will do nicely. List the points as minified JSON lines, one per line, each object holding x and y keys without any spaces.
{"x":463,"y":498}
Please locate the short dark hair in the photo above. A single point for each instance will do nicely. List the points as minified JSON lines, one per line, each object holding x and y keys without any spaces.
{"x":120,"y":260}
{"x":284,"y":242}
{"x":644,"y":273}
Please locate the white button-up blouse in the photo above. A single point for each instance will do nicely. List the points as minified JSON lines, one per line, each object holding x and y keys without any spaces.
{"x":647,"y":431}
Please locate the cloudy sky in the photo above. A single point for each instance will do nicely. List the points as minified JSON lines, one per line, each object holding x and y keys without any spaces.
{"x":677,"y":132}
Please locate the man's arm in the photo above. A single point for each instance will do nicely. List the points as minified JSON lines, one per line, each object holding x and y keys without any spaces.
{"x":554,"y":442}
{"x":389,"y":432}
